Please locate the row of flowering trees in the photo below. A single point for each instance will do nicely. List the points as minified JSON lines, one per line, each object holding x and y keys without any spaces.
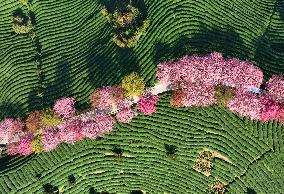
{"x":212,"y":79}
{"x":193,"y":80}
{"x":44,"y":130}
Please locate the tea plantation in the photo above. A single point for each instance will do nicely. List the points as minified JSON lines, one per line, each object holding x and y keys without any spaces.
{"x":73,"y":51}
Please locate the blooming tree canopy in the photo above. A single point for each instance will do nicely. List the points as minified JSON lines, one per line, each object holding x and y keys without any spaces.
{"x":71,"y":131}
{"x":275,"y":87}
{"x":104,"y":97}
{"x":50,"y":139}
{"x":133,"y":85}
{"x":64,"y":107}
{"x":198,"y":94}
{"x":147,"y":104}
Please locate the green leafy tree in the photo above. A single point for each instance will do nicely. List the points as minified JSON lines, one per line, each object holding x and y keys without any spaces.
{"x":133,"y":85}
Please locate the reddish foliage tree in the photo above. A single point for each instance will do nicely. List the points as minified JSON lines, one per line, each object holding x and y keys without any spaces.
{"x":104,"y":97}
{"x":33,"y":121}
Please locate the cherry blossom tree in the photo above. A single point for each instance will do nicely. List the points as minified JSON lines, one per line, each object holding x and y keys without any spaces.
{"x":270,"y":109}
{"x":125,"y":115}
{"x":71,"y":131}
{"x":211,"y":69}
{"x":25,"y":144}
{"x":10,"y":130}
{"x":12,"y":148}
{"x":65,"y":107}
{"x":247,"y":104}
{"x":198,"y":94}
{"x":101,"y":124}
{"x":147,"y":104}
{"x":275,"y":87}
{"x":50,"y":139}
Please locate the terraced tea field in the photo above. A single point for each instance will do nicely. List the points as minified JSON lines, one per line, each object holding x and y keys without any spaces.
{"x":75,"y":53}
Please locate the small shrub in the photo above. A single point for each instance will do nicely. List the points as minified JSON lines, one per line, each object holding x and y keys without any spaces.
{"x":133,"y":85}
{"x":50,"y":189}
{"x":171,"y":149}
{"x":136,"y":192}
{"x":38,"y":175}
{"x":118,"y":151}
{"x":217,"y":187}
{"x":72,"y":179}
{"x":204,"y":163}
{"x":250,"y":191}
{"x":21,"y":23}
{"x":93,"y":191}
{"x":24,"y":2}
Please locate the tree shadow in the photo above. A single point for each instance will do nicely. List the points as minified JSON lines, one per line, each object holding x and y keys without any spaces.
{"x":269,"y":54}
{"x":280,"y":8}
{"x":250,"y":191}
{"x":11,"y":110}
{"x":8,"y":163}
{"x":107,"y":66}
{"x":205,"y":41}
{"x":112,"y":4}
{"x":53,"y":90}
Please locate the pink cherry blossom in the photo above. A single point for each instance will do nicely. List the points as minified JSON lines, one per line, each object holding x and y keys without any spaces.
{"x":275,"y":87}
{"x":270,"y":110}
{"x":13,"y":148}
{"x":25,"y":144}
{"x":211,"y":69}
{"x":198,"y":94}
{"x":11,"y":126}
{"x":104,"y":123}
{"x":147,"y":104}
{"x":125,"y":115}
{"x":50,"y":139}
{"x":65,"y":107}
{"x":101,"y":124}
{"x":10,"y":130}
{"x":71,"y":131}
{"x":247,"y":104}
